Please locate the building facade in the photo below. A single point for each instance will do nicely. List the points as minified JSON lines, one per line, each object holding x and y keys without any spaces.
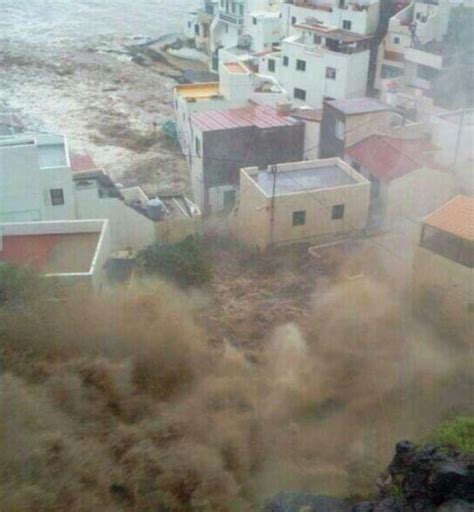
{"x":303,"y":202}
{"x":226,"y":141}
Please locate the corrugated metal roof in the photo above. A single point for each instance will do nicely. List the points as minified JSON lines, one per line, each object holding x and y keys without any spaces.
{"x":389,"y":158}
{"x":455,"y":217}
{"x":261,"y":116}
{"x":359,"y":106}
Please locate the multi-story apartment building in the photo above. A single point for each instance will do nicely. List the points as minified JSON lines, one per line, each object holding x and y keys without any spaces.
{"x":253,"y":25}
{"x":320,"y":62}
{"x":360,"y":16}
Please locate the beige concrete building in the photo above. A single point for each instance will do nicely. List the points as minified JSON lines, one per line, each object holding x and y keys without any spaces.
{"x":72,"y":252}
{"x":443,"y":276}
{"x":299,"y":202}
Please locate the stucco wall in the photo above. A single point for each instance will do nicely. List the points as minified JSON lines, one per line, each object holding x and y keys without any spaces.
{"x":443,"y":289}
{"x":251,"y":220}
{"x":417,"y":194}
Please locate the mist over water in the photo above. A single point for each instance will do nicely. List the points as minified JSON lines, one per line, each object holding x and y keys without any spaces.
{"x":57,"y":21}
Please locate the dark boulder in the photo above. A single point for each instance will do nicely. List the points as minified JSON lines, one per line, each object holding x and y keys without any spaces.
{"x":456,"y":506}
{"x":366,"y":506}
{"x":298,"y":502}
{"x":449,"y":481}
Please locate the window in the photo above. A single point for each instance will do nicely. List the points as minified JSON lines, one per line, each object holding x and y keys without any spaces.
{"x":198,"y":147}
{"x":226,"y":28}
{"x":293,"y":20}
{"x":391,"y":71}
{"x":271,"y":65}
{"x":418,"y":15}
{"x":340,"y":129}
{"x":299,"y":94}
{"x":299,"y":218}
{"x":57,"y":196}
{"x":338,"y":212}
{"x":346,"y":24}
{"x":189,"y":24}
{"x":241,"y":10}
{"x":396,"y":40}
{"x":286,"y":60}
{"x":300,"y":65}
{"x":254,"y":21}
{"x":426,"y":73}
{"x":317,"y":39}
{"x":196,"y":29}
{"x":331,"y":73}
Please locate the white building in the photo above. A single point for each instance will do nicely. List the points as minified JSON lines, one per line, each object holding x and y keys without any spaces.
{"x":252,"y":24}
{"x":71,"y":252}
{"x":361,"y":17}
{"x":320,"y":62}
{"x":38,"y":184}
{"x":197,"y":28}
{"x":35,"y":179}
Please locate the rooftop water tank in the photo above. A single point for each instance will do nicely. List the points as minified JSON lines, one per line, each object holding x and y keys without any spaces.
{"x":155,"y":209}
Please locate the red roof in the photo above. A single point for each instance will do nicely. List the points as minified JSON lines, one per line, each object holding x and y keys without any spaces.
{"x":81,"y":162}
{"x":31,"y":250}
{"x":388,"y":158}
{"x":261,"y":116}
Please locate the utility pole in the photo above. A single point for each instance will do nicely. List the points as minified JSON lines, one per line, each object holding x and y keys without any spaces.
{"x":458,"y":141}
{"x":274,"y":170}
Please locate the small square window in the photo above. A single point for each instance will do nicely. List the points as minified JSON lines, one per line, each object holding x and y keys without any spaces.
{"x":338,"y":212}
{"x":346,"y":24}
{"x":301,"y":65}
{"x":271,"y":65}
{"x":396,"y":40}
{"x":299,"y":94}
{"x":57,"y":196}
{"x":331,"y":73}
{"x":317,"y":39}
{"x":299,"y":218}
{"x":286,"y":60}
{"x":293,"y":20}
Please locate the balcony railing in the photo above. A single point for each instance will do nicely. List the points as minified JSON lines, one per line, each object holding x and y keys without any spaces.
{"x":234,"y":19}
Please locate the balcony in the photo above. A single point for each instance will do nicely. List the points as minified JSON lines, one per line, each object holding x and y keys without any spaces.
{"x":233,"y":19}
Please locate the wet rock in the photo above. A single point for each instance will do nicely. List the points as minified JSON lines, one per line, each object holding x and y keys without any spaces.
{"x":299,"y":502}
{"x":449,"y":480}
{"x":366,"y":506}
{"x":389,"y":505}
{"x":456,"y":506}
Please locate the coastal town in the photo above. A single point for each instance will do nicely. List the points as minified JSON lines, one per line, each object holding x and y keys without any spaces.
{"x":294,"y":177}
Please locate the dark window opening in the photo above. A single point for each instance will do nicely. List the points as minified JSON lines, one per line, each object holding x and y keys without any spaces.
{"x":331,"y":73}
{"x":57,"y":196}
{"x":271,"y":65}
{"x":286,"y":60}
{"x":338,"y":212}
{"x":299,"y":218}
{"x":301,"y":65}
{"x":346,"y":24}
{"x":299,"y":94}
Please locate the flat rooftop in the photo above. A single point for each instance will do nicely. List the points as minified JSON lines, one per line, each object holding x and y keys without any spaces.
{"x":312,"y":178}
{"x":362,"y":105}
{"x":51,"y":253}
{"x":198,"y":91}
{"x":344,"y":36}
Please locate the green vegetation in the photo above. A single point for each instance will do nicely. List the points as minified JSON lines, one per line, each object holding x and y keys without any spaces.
{"x":185,"y":263}
{"x":457,"y":433}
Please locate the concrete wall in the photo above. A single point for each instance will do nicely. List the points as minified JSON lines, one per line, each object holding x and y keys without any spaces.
{"x":351,"y":73}
{"x":225,"y":152}
{"x":443,"y":289}
{"x":362,"y":22}
{"x":128,"y":228}
{"x":251,"y":220}
{"x":417,"y":194}
{"x":25,"y":186}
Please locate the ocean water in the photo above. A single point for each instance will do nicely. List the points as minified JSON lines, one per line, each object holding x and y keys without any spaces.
{"x":61,"y":21}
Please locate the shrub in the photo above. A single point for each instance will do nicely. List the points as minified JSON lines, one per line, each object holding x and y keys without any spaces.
{"x":457,"y":433}
{"x":185,"y":262}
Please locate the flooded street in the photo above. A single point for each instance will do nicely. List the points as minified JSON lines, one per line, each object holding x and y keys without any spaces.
{"x":63,"y":69}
